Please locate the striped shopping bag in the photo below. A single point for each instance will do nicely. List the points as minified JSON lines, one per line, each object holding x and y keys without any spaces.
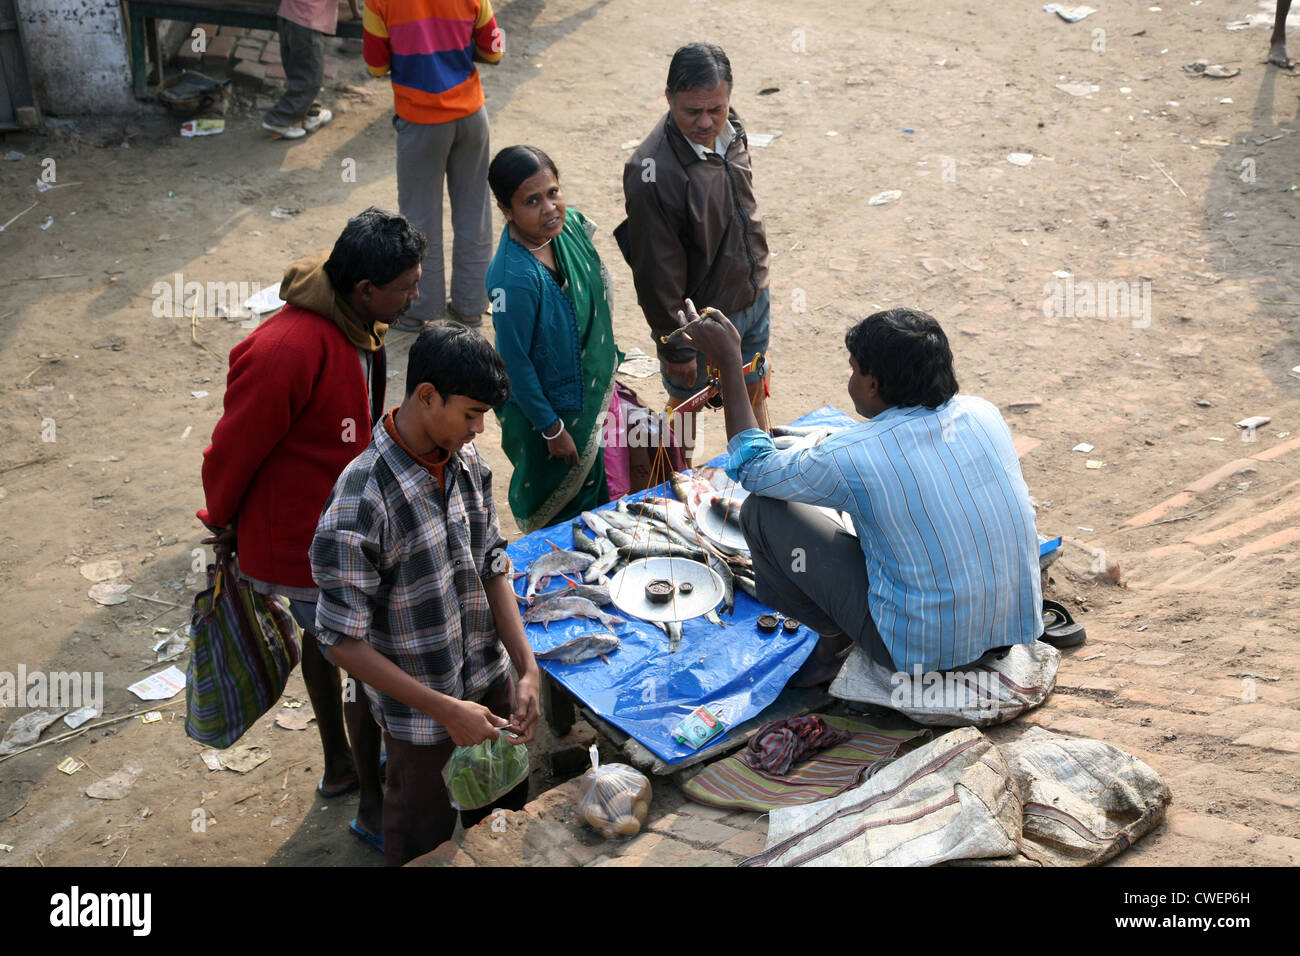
{"x":243,"y":646}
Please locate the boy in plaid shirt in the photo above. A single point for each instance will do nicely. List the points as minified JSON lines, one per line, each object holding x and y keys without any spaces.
{"x":415,"y":600}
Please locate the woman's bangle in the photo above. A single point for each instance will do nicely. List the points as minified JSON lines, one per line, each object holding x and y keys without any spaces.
{"x":558,"y":432}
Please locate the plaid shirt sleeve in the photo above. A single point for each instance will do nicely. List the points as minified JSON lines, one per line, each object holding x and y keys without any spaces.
{"x":495,"y":559}
{"x":346,"y":556}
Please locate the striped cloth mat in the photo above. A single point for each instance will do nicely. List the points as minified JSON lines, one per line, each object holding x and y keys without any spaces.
{"x":733,"y":784}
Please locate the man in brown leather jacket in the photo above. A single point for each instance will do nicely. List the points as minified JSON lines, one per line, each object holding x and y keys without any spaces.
{"x":693,"y":229}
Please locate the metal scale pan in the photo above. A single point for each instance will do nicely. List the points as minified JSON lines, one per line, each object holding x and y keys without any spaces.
{"x":627,"y":589}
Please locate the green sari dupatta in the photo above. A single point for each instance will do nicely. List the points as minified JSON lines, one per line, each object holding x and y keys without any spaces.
{"x":545,"y":490}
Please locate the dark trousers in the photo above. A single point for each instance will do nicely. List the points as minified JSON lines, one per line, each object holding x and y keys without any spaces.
{"x":418,"y":815}
{"x":302,"y":54}
{"x":809,"y":568}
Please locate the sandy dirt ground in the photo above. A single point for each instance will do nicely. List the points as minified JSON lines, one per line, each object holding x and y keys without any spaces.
{"x":1182,"y":187}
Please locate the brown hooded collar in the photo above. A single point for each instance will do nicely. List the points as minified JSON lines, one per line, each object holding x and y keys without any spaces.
{"x":307,"y":285}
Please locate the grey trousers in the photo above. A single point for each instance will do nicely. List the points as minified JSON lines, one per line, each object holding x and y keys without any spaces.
{"x":428,"y":154}
{"x":811,"y":569}
{"x":302,"y":52}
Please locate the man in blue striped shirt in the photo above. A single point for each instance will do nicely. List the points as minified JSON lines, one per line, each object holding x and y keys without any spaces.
{"x":933,"y":485}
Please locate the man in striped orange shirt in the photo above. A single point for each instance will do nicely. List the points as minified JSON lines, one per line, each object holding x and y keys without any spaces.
{"x":429,"y":47}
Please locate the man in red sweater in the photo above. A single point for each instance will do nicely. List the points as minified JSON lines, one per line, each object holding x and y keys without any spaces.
{"x":303,"y":393}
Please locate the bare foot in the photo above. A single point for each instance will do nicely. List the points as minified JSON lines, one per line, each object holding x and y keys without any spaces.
{"x":1277,"y":56}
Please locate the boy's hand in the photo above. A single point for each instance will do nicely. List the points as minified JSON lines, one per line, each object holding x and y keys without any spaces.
{"x":470,"y":723}
{"x":526,"y":711}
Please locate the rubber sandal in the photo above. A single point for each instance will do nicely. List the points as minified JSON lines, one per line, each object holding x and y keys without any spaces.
{"x":1059,"y":627}
{"x":320,"y":788}
{"x":374,"y":839}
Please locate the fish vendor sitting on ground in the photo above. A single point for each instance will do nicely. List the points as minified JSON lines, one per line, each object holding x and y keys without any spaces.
{"x":933,"y":485}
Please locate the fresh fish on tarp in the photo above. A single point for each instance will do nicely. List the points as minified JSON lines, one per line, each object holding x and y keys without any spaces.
{"x":747,"y":585}
{"x":721,"y":568}
{"x":674,"y":630}
{"x":562,"y":608}
{"x":597,"y":594}
{"x":682,"y":524}
{"x":617,"y":519}
{"x":694,"y":492}
{"x":638,"y":537}
{"x":712,"y":617}
{"x":584,"y":542}
{"x":716,"y":476}
{"x":728,"y":508}
{"x":595,"y":521}
{"x":662,"y":549}
{"x":602,"y":566}
{"x":557,"y":562}
{"x":582,"y":648}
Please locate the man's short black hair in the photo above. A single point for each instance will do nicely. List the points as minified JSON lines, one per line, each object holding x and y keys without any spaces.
{"x":374,"y":245}
{"x":908,"y":354}
{"x":457,"y":361}
{"x":698,"y":66}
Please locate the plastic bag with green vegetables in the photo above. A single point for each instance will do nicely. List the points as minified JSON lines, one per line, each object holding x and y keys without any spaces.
{"x":478,"y":775}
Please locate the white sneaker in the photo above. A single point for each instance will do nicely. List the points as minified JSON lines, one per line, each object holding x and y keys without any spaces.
{"x":288,"y":132}
{"x":317,"y":118}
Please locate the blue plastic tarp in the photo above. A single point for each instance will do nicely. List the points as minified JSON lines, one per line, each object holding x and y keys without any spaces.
{"x":736,"y":671}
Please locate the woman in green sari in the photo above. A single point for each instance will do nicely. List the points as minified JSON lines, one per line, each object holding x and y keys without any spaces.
{"x":551,"y":310}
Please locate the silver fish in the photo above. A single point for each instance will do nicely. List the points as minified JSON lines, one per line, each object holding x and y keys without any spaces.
{"x":674,"y":629}
{"x":584,"y":542}
{"x":557,"y":562}
{"x":597,"y":594}
{"x":602,"y":565}
{"x":562,"y":608}
{"x":582,"y":648}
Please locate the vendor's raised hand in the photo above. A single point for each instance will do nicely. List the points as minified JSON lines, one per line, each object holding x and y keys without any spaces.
{"x":711,"y":332}
{"x":526,"y":709}
{"x":470,"y":723}
{"x":562,"y":447}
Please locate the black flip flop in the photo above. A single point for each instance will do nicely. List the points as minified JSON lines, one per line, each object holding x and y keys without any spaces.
{"x":1059,"y":627}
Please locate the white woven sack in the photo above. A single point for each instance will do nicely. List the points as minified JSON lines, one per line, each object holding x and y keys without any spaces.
{"x":990,"y":691}
{"x":1084,"y":800}
{"x":952,"y":799}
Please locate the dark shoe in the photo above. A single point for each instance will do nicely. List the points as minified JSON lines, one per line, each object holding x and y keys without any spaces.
{"x":1059,"y":628}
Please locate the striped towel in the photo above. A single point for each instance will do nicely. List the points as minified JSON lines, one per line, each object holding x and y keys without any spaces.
{"x":732,"y":783}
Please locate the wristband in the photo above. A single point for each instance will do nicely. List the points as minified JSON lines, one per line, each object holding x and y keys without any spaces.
{"x":558,"y":432}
